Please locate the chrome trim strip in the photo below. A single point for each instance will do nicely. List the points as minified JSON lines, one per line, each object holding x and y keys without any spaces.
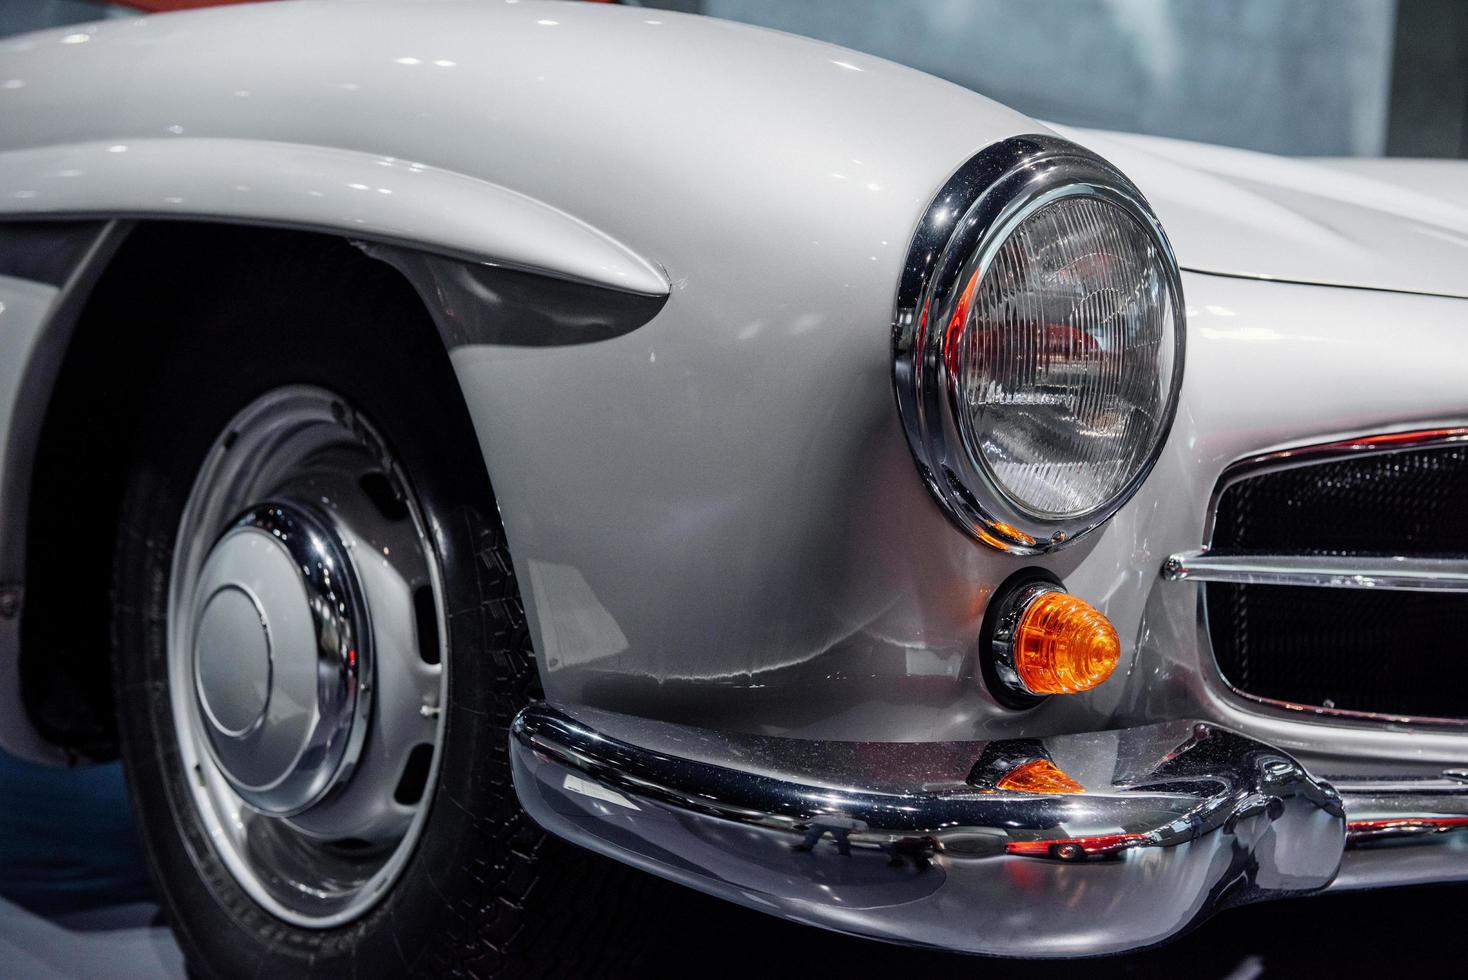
{"x":1322,"y":571}
{"x":1388,"y":809}
{"x":976,"y":207}
{"x":892,"y":840}
{"x":1403,"y":831}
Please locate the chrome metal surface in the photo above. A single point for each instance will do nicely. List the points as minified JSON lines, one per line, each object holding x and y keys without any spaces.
{"x":282,"y":658}
{"x":968,"y":219}
{"x":1404,"y":830}
{"x":1007,"y":617}
{"x":912,"y":842}
{"x":1359,"y":832}
{"x":298,"y":681}
{"x":1325,"y":571}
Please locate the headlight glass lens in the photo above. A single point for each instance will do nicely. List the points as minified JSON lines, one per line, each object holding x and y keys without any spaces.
{"x":1060,"y":351}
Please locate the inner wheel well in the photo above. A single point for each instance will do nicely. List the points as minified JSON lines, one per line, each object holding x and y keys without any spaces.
{"x":163,"y":276}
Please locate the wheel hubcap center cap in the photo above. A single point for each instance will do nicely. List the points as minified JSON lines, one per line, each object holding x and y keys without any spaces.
{"x":281,"y":658}
{"x":233,"y":649}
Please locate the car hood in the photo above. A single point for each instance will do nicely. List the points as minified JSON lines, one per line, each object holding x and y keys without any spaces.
{"x":1380,"y":224}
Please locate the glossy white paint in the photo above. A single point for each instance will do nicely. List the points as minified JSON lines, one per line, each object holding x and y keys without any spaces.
{"x":1272,"y":366}
{"x":708,"y":478}
{"x":378,"y":197}
{"x":1444,"y":179}
{"x":1387,"y":225}
{"x":716,"y":517}
{"x":841,"y":605}
{"x":643,"y":127}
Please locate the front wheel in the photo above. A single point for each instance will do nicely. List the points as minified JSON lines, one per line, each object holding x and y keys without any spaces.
{"x":318,"y":645}
{"x":302,"y":658}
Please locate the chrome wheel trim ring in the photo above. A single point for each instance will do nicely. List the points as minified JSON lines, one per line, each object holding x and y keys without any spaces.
{"x":354,"y":648}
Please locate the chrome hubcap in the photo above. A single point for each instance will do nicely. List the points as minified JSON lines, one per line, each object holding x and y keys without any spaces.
{"x":281,"y":658}
{"x":306,"y":669}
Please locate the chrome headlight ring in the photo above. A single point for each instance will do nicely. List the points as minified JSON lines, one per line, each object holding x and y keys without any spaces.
{"x":976,"y":213}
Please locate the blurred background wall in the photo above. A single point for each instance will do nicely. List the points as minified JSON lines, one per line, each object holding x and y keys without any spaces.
{"x":1309,"y":77}
{"x":1428,"y":116}
{"x":1314,"y":77}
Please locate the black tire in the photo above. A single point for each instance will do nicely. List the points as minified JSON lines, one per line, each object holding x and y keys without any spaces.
{"x":486,"y":893}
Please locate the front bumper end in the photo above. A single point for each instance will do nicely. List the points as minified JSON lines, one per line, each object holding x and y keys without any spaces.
{"x":926,"y":843}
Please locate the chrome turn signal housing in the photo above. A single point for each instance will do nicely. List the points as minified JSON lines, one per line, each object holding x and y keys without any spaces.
{"x":1038,"y":343}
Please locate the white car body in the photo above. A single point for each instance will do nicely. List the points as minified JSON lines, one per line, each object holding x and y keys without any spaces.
{"x":715,"y":516}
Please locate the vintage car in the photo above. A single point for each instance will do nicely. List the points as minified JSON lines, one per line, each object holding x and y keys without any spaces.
{"x":432,"y":431}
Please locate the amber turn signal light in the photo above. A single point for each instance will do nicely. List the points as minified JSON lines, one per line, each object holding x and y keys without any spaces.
{"x":1064,"y":646}
{"x":1039,"y":776}
{"x":1046,"y":641}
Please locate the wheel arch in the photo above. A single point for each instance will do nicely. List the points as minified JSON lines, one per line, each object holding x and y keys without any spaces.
{"x":76,"y":400}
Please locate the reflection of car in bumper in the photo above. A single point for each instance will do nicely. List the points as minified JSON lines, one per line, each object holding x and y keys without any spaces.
{"x":1174,"y":820}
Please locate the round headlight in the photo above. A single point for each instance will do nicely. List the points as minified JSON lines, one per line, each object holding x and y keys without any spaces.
{"x":1039,"y":343}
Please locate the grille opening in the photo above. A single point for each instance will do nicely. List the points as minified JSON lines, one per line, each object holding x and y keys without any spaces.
{"x":1353,"y":650}
{"x":1403,"y":503}
{"x":1344,"y":649}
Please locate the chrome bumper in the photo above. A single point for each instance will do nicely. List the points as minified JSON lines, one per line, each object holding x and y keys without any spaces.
{"x":916,"y":843}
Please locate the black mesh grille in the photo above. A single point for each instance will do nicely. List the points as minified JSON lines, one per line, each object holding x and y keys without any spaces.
{"x":1407,"y":503}
{"x":1380,"y":651}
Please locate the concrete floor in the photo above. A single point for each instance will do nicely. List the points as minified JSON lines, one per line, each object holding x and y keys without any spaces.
{"x":74,"y":895}
{"x":119,"y":942}
{"x":75,"y":903}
